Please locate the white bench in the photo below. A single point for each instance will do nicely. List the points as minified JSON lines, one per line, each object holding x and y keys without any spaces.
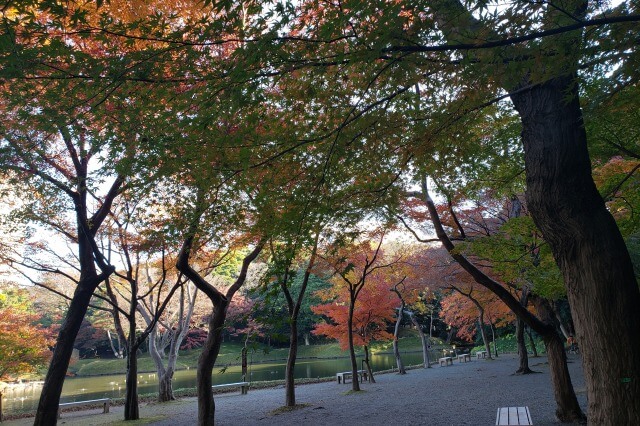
{"x":444,"y":361}
{"x":464,"y":357}
{"x":513,"y":416}
{"x":347,"y":374}
{"x":481,"y":354}
{"x":244,"y":386}
{"x":105,"y":402}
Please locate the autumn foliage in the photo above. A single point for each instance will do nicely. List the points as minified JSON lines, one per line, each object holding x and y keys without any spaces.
{"x":374,"y":310}
{"x":24,"y":345}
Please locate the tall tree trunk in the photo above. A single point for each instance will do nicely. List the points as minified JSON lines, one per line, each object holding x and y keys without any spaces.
{"x":206,"y":361}
{"x":423,"y":340}
{"x":290,"y":394}
{"x":131,"y":405}
{"x":523,"y":368}
{"x":483,"y":333}
{"x":557,"y":357}
{"x":396,"y":332}
{"x":522,"y":347}
{"x":366,"y":362}
{"x":355,"y":383}
{"x":493,"y":338}
{"x":47,"y":413}
{"x":587,"y":245}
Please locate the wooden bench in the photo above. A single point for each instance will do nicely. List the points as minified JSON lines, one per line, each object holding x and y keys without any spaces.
{"x":105,"y":402}
{"x":346,"y":374}
{"x":481,"y":354}
{"x":513,"y":416}
{"x":464,"y":357}
{"x":244,"y":387}
{"x":444,"y":361}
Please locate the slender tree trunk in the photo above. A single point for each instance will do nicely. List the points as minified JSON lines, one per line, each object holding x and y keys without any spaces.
{"x":307,"y":342}
{"x":532,"y":343}
{"x":355,"y":383}
{"x":587,"y":245}
{"x":366,"y":362}
{"x":483,"y":334}
{"x":47,"y":413}
{"x":423,"y":340}
{"x":493,"y":338}
{"x":290,"y":393}
{"x":568,"y":409}
{"x":396,"y":332}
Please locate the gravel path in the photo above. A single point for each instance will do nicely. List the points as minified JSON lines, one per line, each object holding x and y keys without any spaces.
{"x":462,"y":394}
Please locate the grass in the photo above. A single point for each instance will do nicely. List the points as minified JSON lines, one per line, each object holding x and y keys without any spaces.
{"x":230,"y":355}
{"x":509,"y":344}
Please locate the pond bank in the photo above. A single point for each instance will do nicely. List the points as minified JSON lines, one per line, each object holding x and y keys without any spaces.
{"x":462,"y":394}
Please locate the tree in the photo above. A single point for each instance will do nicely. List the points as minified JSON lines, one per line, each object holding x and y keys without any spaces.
{"x":361,"y":308}
{"x":24,"y":343}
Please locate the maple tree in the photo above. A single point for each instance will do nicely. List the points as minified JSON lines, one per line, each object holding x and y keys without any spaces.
{"x":362,"y":303}
{"x":24,"y":343}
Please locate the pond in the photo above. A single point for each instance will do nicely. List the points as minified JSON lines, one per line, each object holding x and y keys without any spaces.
{"x":25,"y":398}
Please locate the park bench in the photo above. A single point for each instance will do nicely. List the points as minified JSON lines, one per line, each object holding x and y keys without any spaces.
{"x":105,"y":402}
{"x":481,"y":354}
{"x":244,"y":387}
{"x":444,"y":361}
{"x":346,"y":374}
{"x":513,"y":416}
{"x":464,"y":357}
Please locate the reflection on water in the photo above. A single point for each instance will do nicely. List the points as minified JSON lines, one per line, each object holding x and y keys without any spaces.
{"x":25,"y":398}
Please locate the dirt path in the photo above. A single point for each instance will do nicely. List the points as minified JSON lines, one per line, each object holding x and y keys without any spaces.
{"x":462,"y":394}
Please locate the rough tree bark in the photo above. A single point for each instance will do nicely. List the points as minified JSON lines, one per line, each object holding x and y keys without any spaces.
{"x":567,"y":208}
{"x":587,"y":245}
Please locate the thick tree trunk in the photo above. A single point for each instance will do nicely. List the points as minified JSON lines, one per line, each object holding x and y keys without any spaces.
{"x":206,"y":361}
{"x":290,"y":390}
{"x":523,"y":368}
{"x":587,"y":245}
{"x":131,"y":406}
{"x":396,"y":332}
{"x":47,"y":413}
{"x":165,"y":387}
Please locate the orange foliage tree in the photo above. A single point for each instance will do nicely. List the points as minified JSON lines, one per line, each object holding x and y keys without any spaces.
{"x":359,"y":303}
